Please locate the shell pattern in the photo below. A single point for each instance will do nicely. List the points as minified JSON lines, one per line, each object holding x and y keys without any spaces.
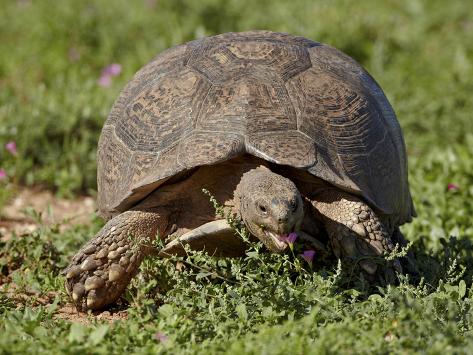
{"x":283,"y":98}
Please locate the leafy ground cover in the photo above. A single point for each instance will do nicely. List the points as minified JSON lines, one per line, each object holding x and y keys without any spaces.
{"x":56,"y":87}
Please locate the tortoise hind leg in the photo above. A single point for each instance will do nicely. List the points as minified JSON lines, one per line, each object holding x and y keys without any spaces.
{"x":102,"y":269}
{"x":354,"y":230}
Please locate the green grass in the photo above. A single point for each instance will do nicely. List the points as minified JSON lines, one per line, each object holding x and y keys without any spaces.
{"x":419,"y":51}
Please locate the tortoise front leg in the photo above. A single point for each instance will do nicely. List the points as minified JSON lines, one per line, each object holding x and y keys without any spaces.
{"x":354,"y":229}
{"x":102,"y":269}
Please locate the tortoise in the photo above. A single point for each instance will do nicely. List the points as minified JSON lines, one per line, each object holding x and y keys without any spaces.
{"x":291,"y":134}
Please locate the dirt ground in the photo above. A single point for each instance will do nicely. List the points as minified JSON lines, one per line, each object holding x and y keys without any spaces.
{"x":53,"y":210}
{"x":69,"y":313}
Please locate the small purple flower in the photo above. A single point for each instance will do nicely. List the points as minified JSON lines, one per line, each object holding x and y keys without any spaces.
{"x":105,"y":81}
{"x":291,"y":238}
{"x":161,"y":337}
{"x":108,"y":73}
{"x":11,"y":147}
{"x":452,"y":187}
{"x":112,"y":70}
{"x":3,"y":174}
{"x":308,"y":256}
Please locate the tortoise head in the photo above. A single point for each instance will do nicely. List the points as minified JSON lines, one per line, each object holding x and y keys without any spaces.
{"x":270,"y":205}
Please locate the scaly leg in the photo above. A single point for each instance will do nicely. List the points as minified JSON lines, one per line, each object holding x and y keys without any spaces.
{"x":354,"y":229}
{"x":102,"y":269}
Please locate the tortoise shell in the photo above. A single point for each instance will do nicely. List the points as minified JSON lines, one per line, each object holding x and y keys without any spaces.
{"x":283,"y":98}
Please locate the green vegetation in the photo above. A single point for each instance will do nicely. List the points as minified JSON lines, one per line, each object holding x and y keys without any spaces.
{"x":51,"y":105}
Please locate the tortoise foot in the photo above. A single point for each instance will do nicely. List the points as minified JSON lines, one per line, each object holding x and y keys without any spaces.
{"x":100,"y":272}
{"x":98,"y":278}
{"x":356,"y":233}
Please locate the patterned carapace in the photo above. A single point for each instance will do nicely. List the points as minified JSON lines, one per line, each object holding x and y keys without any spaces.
{"x":283,"y":98}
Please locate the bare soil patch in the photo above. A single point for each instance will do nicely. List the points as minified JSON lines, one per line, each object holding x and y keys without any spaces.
{"x":53,"y":210}
{"x":69,"y":313}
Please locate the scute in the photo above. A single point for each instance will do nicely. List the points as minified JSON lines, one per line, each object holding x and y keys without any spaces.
{"x":246,"y":57}
{"x":247,"y":104}
{"x":284,"y":147}
{"x":205,"y":148}
{"x":283,"y":98}
{"x":113,"y":174}
{"x":162,"y":112}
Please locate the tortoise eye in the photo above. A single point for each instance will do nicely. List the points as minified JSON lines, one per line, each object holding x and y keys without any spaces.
{"x":293,"y":205}
{"x":262,"y":209}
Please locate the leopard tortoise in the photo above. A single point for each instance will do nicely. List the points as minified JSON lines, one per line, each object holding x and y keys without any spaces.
{"x":291,"y":134}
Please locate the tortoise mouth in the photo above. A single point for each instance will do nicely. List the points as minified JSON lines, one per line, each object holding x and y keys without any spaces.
{"x":277,"y":242}
{"x":277,"y":239}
